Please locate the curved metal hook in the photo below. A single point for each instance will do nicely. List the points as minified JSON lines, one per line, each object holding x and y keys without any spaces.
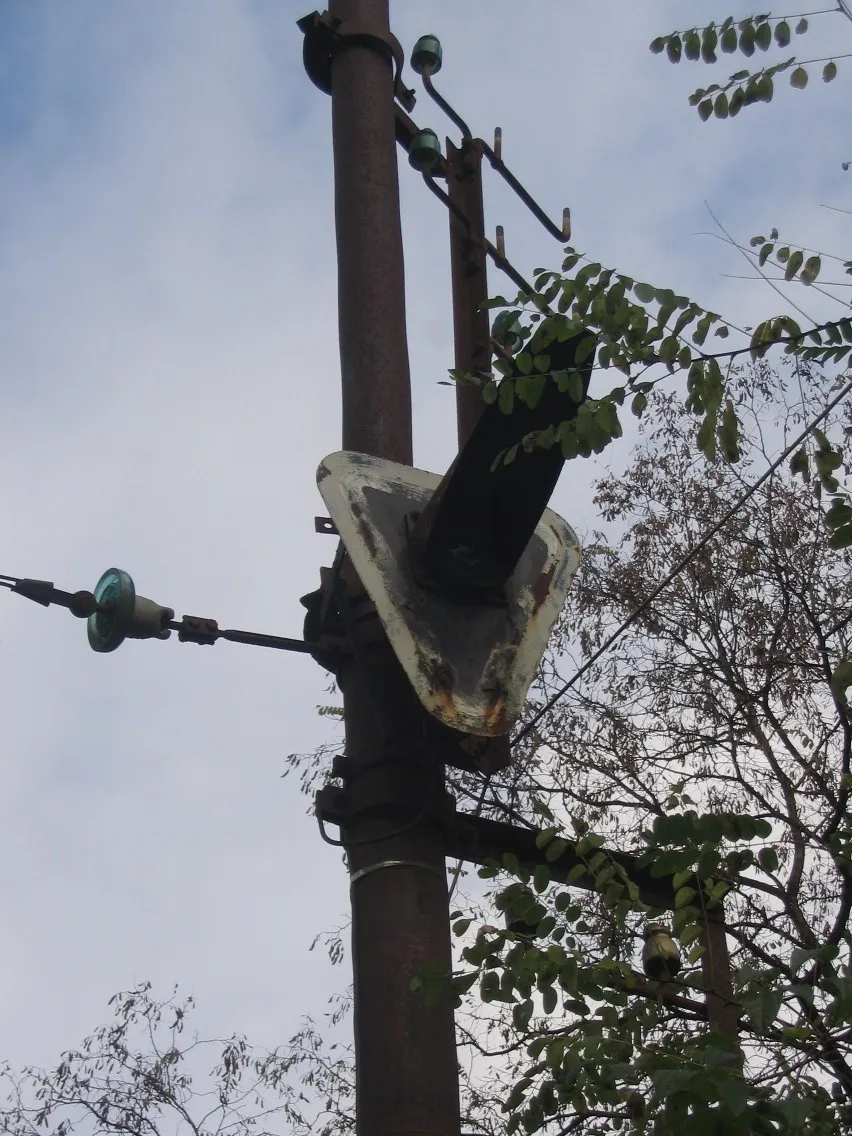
{"x":445,"y":106}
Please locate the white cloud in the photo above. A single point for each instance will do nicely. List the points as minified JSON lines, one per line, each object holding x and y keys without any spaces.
{"x":169,"y":372}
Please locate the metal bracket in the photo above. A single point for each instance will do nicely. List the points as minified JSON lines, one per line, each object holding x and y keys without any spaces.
{"x":387,"y":789}
{"x":325,"y":35}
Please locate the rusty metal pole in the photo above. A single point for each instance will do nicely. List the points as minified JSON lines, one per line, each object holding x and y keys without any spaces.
{"x":722,"y":1009}
{"x":471,"y":329}
{"x":471,"y":325}
{"x":405,"y":1054}
{"x":370,"y":281}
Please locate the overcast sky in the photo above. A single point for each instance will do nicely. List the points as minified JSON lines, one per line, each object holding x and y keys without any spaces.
{"x":170,"y":376}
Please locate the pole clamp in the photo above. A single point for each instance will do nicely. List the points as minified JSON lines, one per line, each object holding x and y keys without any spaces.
{"x":325,"y":35}
{"x":359,"y":875}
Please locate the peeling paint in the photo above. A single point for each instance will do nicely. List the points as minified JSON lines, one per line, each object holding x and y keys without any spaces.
{"x":471,"y":664}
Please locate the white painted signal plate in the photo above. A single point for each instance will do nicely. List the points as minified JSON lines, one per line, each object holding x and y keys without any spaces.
{"x":471,"y":664}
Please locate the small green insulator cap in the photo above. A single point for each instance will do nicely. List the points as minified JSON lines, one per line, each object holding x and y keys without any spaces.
{"x":127,"y":616}
{"x":507,"y":330}
{"x":107,"y":629}
{"x":427,"y":53}
{"x":424,"y":153}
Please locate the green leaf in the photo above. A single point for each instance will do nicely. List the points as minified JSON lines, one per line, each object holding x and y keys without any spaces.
{"x":708,"y":44}
{"x":733,"y":1092}
{"x":768,"y":859}
{"x":829,"y":72}
{"x":720,"y":107}
{"x":763,"y":36}
{"x":549,"y":999}
{"x":673,"y":48}
{"x":811,"y":270}
{"x":800,"y":463}
{"x":747,"y":38}
{"x":506,"y":396}
{"x":802,"y":26}
{"x":640,"y":401}
{"x":799,"y":79}
{"x":657,"y":45}
{"x":683,"y":895}
{"x":545,"y":836}
{"x":644,"y":292}
{"x":705,"y":109}
{"x":793,"y":264}
{"x":669,"y":349}
{"x":533,"y":390}
{"x":728,"y":40}
{"x":782,"y":33}
{"x":555,"y":849}
{"x":489,"y":392}
{"x":541,"y":877}
{"x":521,"y":1014}
{"x":692,"y":45}
{"x":762,"y":1008}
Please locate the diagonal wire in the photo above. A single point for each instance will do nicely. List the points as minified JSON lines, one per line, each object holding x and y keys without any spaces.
{"x":681,"y":564}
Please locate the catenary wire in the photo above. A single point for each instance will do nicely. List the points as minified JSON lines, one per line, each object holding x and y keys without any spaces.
{"x":680,"y":565}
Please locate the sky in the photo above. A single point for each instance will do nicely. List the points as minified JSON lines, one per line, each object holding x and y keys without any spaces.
{"x":170,"y":377}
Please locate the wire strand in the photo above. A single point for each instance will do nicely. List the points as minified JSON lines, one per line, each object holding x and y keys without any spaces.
{"x":680,"y":565}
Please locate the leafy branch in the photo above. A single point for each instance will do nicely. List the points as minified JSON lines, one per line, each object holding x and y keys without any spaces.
{"x":743,"y":88}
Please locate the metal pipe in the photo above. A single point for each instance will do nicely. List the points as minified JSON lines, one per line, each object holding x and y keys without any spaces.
{"x":375,"y":378}
{"x":471,"y":328}
{"x":405,"y":1053}
{"x":471,"y":323}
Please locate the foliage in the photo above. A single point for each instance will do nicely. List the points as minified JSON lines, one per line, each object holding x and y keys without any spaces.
{"x":647,"y":332}
{"x":713,"y":744}
{"x":145,"y":1074}
{"x":754,"y":33}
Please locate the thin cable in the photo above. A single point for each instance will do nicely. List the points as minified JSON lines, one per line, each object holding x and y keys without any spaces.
{"x":372,"y":839}
{"x":680,"y":565}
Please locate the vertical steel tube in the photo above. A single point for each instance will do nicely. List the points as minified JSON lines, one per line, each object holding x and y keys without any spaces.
{"x":370,"y":282}
{"x":471,"y":325}
{"x":471,"y":329}
{"x":405,"y":1055}
{"x":722,"y":1009}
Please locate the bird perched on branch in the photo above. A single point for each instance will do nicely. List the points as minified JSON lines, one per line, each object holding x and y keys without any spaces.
{"x":660,"y":956}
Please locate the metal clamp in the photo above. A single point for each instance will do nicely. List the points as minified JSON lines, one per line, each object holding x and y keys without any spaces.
{"x":396,"y":864}
{"x":325,"y":35}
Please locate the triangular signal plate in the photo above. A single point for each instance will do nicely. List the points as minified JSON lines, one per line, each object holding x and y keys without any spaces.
{"x":471,"y":664}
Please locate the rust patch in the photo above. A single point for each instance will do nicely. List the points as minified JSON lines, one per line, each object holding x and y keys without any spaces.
{"x":364,"y":529}
{"x":541,"y":588}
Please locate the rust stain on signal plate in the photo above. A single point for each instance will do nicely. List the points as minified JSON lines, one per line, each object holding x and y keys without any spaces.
{"x":470,"y":664}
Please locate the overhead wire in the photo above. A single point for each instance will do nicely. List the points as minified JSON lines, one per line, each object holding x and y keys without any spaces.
{"x":680,"y":565}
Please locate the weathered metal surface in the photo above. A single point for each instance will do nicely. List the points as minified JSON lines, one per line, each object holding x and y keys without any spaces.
{"x":471,"y":326}
{"x":472,"y":533}
{"x":471,"y":664}
{"x":375,"y":383}
{"x":471,"y":331}
{"x":406,"y":1072}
